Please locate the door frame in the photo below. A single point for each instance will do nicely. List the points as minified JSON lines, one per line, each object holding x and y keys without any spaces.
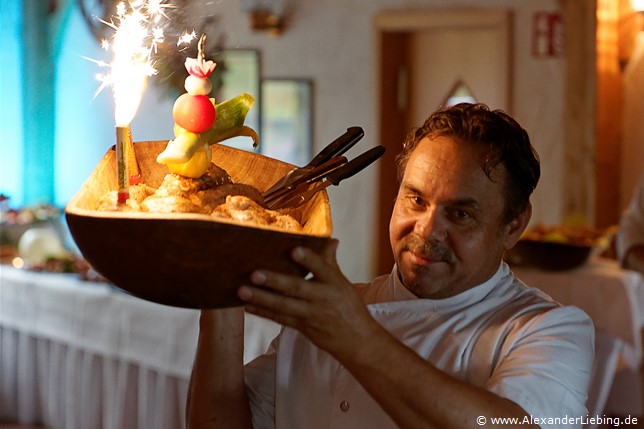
{"x":392,"y":31}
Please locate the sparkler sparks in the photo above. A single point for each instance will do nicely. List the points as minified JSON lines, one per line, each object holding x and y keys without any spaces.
{"x":186,"y":38}
{"x":136,"y":37}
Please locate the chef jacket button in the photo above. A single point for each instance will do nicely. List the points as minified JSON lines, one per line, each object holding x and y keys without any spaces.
{"x":344,"y":406}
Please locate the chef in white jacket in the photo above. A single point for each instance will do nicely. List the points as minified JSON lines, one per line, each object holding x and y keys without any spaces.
{"x":448,"y":339}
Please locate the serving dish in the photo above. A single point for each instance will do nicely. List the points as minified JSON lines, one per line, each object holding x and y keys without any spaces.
{"x":188,"y":260}
{"x":548,"y":255}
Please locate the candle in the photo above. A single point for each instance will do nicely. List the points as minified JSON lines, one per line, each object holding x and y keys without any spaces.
{"x":122,"y":170}
{"x":127,"y":168}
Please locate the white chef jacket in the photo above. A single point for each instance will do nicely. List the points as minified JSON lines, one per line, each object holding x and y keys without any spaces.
{"x":500,"y":335}
{"x":631,"y":225}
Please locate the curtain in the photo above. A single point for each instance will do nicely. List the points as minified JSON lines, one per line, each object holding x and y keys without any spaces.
{"x":32,"y":30}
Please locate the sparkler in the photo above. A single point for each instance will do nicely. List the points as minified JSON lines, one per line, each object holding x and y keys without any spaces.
{"x":136,"y":36}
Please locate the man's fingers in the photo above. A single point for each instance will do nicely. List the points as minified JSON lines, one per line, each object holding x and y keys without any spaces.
{"x":265,"y":303}
{"x":283,"y":284}
{"x":329,"y":252}
{"x":292,"y":300}
{"x":277,"y":292}
{"x":323,"y":267}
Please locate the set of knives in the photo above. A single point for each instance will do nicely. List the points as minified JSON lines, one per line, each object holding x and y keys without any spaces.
{"x":329,"y":167}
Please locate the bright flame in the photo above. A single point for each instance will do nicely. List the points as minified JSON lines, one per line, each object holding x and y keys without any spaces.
{"x":135,"y":39}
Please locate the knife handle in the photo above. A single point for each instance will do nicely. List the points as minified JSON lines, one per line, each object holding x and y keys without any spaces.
{"x":356,"y":165}
{"x":302,"y":193}
{"x":313,"y":175}
{"x":338,"y":146}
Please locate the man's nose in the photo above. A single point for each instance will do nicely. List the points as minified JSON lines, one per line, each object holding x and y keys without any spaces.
{"x":431,"y":225}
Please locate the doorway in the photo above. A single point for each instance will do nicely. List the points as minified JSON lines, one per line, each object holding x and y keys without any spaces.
{"x":423,"y":59}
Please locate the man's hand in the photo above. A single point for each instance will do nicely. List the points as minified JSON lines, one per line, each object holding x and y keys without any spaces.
{"x":326,"y":308}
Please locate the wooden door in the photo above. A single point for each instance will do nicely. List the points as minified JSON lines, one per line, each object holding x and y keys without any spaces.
{"x":421,"y":58}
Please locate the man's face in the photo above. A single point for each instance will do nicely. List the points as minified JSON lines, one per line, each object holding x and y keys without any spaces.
{"x":445,"y":230}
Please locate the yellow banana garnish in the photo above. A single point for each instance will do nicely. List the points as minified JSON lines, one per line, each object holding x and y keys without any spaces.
{"x":196,"y":166}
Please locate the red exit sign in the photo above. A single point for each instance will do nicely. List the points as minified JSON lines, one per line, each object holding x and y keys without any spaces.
{"x":547,"y":35}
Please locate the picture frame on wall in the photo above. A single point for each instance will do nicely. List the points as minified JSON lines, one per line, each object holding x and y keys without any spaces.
{"x":286,"y":130}
{"x":241,"y":72}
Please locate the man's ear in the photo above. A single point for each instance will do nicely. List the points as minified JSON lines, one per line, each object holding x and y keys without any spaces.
{"x":515,"y":228}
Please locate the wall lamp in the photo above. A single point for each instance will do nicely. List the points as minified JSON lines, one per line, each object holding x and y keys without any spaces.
{"x":266,"y":15}
{"x":638,"y":5}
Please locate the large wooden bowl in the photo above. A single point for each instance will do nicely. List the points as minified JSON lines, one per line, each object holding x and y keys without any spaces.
{"x":188,"y":260}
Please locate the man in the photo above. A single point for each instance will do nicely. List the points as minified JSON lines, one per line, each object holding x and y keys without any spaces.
{"x":448,"y":340}
{"x":630,"y":236}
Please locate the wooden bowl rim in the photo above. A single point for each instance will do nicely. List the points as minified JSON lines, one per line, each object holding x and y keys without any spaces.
{"x":196,"y":217}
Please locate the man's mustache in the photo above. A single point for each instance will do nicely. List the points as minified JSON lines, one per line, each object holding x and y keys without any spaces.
{"x":427,"y":249}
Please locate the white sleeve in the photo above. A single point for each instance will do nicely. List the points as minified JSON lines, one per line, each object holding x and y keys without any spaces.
{"x":259,"y":375}
{"x":631,"y":226}
{"x":546,"y":365}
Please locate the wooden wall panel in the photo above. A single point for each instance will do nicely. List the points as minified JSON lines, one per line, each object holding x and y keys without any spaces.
{"x":609,"y":115}
{"x":579,"y":121}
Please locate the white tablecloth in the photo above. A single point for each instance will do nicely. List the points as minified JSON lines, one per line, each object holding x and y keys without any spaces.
{"x":84,"y":355}
{"x":614,"y":300}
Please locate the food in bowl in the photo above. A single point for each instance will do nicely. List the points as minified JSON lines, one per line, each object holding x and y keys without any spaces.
{"x":214,"y":193}
{"x":563,"y":234}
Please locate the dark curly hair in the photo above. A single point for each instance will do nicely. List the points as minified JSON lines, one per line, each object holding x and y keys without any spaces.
{"x":507,"y":144}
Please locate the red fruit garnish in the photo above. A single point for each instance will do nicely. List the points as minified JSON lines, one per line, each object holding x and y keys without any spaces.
{"x":194,"y":113}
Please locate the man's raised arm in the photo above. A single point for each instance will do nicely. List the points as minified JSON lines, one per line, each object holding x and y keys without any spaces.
{"x":217,"y":394}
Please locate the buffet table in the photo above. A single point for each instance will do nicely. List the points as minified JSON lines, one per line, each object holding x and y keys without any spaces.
{"x":76,"y":354}
{"x":614,"y":300}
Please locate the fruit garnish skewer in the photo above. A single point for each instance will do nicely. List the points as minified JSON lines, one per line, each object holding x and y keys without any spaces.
{"x":199,"y":122}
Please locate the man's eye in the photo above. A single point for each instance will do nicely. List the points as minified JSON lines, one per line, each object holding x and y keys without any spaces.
{"x":417,"y":202}
{"x":460,"y":215}
{"x":413,"y":201}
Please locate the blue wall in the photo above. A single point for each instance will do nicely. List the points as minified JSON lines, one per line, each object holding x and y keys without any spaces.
{"x":11,"y":153}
